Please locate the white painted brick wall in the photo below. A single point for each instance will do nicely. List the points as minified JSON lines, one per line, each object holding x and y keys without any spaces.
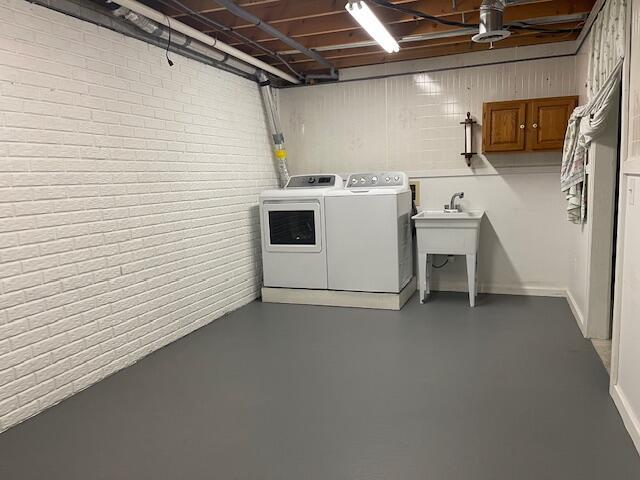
{"x":128,"y":200}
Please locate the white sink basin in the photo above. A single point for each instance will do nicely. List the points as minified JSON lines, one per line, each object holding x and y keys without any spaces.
{"x":440,"y":214}
{"x":445,"y":233}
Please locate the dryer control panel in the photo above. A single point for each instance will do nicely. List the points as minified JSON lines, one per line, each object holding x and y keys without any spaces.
{"x":380,"y":179}
{"x":311,"y":181}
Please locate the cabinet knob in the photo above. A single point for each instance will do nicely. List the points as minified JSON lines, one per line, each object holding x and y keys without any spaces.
{"x":521,"y":126}
{"x":535,"y":125}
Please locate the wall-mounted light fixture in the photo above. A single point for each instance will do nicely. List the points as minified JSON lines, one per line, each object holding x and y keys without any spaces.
{"x":468,"y":138}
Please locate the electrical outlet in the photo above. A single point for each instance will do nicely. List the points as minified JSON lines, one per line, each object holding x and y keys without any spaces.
{"x":414,"y":185}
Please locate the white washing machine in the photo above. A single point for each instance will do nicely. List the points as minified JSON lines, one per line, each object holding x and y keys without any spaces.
{"x":293,"y":225}
{"x":368,"y":226}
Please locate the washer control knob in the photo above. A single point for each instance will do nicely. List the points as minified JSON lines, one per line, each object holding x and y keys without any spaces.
{"x":387,"y":179}
{"x":363,"y":180}
{"x":311,"y":180}
{"x":396,"y":178}
{"x":354,"y":180}
{"x":374,"y":179}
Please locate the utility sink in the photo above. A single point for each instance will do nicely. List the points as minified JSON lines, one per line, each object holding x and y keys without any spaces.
{"x":447,"y":233}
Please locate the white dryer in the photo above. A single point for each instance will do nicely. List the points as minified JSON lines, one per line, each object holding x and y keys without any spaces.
{"x":293,"y":225}
{"x":368,"y":225}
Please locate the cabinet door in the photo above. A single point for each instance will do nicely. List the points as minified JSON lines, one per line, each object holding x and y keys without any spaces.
{"x":503,"y":126}
{"x":548,"y":122}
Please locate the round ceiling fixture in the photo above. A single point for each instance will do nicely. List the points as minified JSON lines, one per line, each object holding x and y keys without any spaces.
{"x":490,"y":28}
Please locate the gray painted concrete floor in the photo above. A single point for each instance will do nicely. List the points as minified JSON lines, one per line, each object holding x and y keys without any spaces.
{"x":508,"y":390}
{"x":603,"y":349}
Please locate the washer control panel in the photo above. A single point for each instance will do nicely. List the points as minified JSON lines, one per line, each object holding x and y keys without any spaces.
{"x":311,"y":181}
{"x":380,"y":179}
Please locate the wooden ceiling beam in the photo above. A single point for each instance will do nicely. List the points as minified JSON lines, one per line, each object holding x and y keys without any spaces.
{"x":318,"y":24}
{"x":276,"y":12}
{"x":204,"y":6}
{"x":334,"y":55}
{"x":273,"y":11}
{"x":431,"y":51}
{"x":400,"y":30}
{"x":339,"y":19}
{"x":341,"y":22}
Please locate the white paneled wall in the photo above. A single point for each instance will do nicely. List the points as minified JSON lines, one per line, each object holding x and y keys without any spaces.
{"x":524,"y":238}
{"x":412,"y":122}
{"x":470,"y":59}
{"x":128,"y":197}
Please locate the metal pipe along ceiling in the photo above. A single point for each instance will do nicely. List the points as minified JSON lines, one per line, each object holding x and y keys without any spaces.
{"x":186,"y":45}
{"x":223,"y":28}
{"x":265,"y":27}
{"x":178,"y":26}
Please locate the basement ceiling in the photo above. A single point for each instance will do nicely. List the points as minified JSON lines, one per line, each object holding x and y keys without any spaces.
{"x":326,"y":27}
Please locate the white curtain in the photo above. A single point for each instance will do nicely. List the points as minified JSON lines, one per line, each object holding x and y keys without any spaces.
{"x":606,"y":45}
{"x":606,"y":52}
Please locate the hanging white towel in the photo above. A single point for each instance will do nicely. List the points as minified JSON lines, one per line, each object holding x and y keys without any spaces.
{"x":606,"y":54}
{"x":586,"y":123}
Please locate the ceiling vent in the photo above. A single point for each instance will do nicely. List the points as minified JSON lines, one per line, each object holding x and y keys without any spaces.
{"x":490,"y":28}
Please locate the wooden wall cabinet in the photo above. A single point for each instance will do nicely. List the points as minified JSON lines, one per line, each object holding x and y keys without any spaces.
{"x":526,"y":125}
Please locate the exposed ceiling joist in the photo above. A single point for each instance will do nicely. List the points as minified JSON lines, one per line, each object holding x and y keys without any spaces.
{"x":403,"y":30}
{"x":320,"y":27}
{"x":326,"y":27}
{"x":354,"y":53}
{"x":276,"y":12}
{"x":441,"y":38}
{"x":437,"y":51}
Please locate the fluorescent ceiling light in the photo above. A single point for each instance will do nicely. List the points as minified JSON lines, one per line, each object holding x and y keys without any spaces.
{"x":368,"y":20}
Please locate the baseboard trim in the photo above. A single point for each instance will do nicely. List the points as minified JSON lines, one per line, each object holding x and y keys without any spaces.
{"x":502,"y":289}
{"x":577,"y":313}
{"x":631,"y":421}
{"x":337,"y":298}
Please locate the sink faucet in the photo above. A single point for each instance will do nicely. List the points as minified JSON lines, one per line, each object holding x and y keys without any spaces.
{"x":452,"y":206}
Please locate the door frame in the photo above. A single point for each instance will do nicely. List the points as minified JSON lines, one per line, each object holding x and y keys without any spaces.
{"x":628,"y":167}
{"x":601,"y":183}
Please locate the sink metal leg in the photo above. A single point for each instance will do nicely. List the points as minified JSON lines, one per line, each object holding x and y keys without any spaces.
{"x":429,"y":270}
{"x":422,"y":275}
{"x":471,"y":279}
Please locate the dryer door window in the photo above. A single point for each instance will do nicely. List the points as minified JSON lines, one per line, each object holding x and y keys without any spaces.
{"x":292,"y":227}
